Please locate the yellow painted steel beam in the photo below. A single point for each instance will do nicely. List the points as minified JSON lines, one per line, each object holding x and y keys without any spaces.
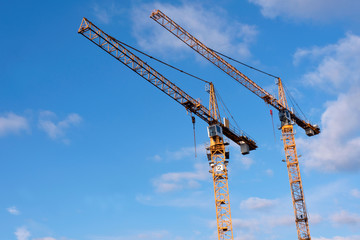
{"x":122,"y":54}
{"x":218,"y":61}
{"x":297,"y":193}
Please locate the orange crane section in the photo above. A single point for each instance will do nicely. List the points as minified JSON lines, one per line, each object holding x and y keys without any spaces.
{"x":217,"y":154}
{"x":287,"y":116}
{"x":210,"y":55}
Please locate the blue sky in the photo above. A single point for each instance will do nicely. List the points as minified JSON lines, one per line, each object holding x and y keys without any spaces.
{"x":90,"y":151}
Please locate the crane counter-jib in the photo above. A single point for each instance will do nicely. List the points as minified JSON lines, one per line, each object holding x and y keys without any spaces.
{"x":122,"y":54}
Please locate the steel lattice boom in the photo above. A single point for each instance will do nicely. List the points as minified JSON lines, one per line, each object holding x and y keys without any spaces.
{"x":122,"y":54}
{"x":210,"y":55}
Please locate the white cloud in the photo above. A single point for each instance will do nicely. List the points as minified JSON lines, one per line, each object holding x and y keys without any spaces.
{"x":355,"y":193}
{"x":337,"y":148}
{"x":12,"y":123}
{"x":22,"y":233}
{"x":285,"y":220}
{"x":308,"y":9}
{"x":344,"y":217}
{"x":56,"y":130}
{"x":236,"y":156}
{"x":13,"y":210}
{"x":251,"y":224}
{"x":255,"y":203}
{"x":265,"y":223}
{"x":182,"y":153}
{"x":197,"y":199}
{"x":269,"y":172}
{"x":245,"y":236}
{"x":338,"y":65}
{"x":179,"y":180}
{"x":208,"y":25}
{"x":104,"y":13}
{"x":150,"y":235}
{"x":355,"y":237}
{"x":246,"y":162}
{"x":156,"y":158}
{"x":45,"y":238}
{"x":315,"y":218}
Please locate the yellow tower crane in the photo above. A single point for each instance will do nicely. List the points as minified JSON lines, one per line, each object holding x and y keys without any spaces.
{"x":286,"y":115}
{"x":218,"y":156}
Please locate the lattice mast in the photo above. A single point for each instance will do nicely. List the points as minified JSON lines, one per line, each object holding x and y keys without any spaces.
{"x":281,"y":105}
{"x":216,"y":130}
{"x":292,"y":163}
{"x":218,"y":161}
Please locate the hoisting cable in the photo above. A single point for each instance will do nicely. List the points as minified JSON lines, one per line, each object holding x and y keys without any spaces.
{"x":193,"y":122}
{"x":294,"y":103}
{"x":292,"y":100}
{"x":246,"y":65}
{"x":137,"y":50}
{"x":224,"y":105}
{"x":272,"y":120}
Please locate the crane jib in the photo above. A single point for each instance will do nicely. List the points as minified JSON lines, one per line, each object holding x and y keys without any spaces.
{"x":122,"y":54}
{"x":214,"y":58}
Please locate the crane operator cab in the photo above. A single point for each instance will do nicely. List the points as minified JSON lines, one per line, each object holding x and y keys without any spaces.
{"x":215,"y":130}
{"x":285,"y":117}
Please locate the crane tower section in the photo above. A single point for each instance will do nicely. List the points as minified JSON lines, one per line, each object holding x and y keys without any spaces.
{"x":292,"y":164}
{"x":218,"y":161}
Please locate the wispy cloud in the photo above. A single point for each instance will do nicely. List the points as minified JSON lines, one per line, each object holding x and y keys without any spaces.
{"x":172,"y":181}
{"x":269,"y":172}
{"x":209,"y":25}
{"x":150,"y":235}
{"x":45,"y":238}
{"x":265,"y":223}
{"x":56,"y":130}
{"x":197,"y":199}
{"x":22,"y":233}
{"x":337,"y":64}
{"x":345,"y":217}
{"x":11,"y":123}
{"x":337,"y":148}
{"x":255,"y":203}
{"x":354,"y":237}
{"x":105,"y":12}
{"x":180,"y":154}
{"x":321,"y":10}
{"x":355,"y":193}
{"x":315,"y":218}
{"x":13,"y":210}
